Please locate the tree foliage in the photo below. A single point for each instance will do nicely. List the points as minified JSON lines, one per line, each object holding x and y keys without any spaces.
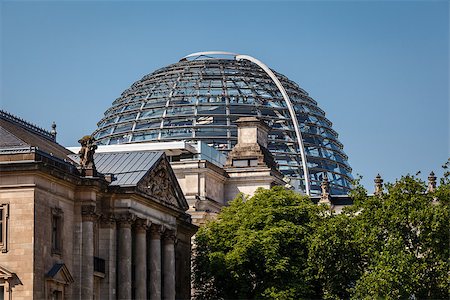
{"x":393,"y":246}
{"x":257,"y":248}
{"x":278,"y":245}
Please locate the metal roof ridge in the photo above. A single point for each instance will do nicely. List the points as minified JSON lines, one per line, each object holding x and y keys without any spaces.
{"x":26,"y":125}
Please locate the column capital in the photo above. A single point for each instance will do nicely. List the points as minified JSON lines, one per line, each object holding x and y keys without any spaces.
{"x":109,"y":220}
{"x":156,"y":231}
{"x":88,"y":213}
{"x":170,"y":236}
{"x":125,"y":220}
{"x":141,"y":225}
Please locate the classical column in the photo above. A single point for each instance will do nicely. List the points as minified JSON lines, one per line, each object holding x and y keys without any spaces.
{"x":124,"y":257}
{"x":155,"y":262}
{"x":88,"y":217}
{"x":140,"y":271}
{"x":169,"y":265}
{"x":107,"y":251}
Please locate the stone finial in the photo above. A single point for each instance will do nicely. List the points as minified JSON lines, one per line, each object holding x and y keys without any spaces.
{"x":86,"y":154}
{"x":252,"y":130}
{"x":53,"y":131}
{"x":431,"y":182}
{"x":325,"y":186}
{"x":378,"y":185}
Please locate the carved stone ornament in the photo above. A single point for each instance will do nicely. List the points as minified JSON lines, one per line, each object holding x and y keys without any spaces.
{"x":378,"y":185}
{"x":159,"y":185}
{"x":86,"y":154}
{"x":141,"y":225}
{"x":88,"y":213}
{"x":431,"y":182}
{"x":125,"y":219}
{"x":170,"y":236}
{"x":325,"y":186}
{"x":108,"y":220}
{"x":156,"y":231}
{"x":57,"y":211}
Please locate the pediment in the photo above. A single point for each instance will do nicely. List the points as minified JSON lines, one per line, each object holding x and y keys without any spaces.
{"x":5,"y":273}
{"x":60,"y":273}
{"x":161,"y":183}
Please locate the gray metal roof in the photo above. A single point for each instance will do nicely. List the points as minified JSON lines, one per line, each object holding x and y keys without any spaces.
{"x":15,"y":132}
{"x":128,"y":167}
{"x":8,"y":139}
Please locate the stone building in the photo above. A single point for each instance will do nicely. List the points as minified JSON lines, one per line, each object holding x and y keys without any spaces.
{"x":113,"y":227}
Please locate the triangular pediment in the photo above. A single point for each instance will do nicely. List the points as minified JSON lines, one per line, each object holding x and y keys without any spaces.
{"x":161,"y":184}
{"x":60,"y":273}
{"x":5,"y":273}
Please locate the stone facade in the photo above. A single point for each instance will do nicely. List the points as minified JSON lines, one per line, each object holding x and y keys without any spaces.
{"x":113,"y":236}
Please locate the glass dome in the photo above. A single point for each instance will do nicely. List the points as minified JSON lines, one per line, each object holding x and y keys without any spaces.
{"x":200,"y":97}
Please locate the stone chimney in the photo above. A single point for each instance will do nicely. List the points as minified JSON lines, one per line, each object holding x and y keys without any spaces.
{"x":250,"y":164}
{"x":251,"y":130}
{"x":251,"y":149}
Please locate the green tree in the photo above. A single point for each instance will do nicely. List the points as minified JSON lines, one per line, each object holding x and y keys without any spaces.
{"x":279,"y":245}
{"x":257,"y":248}
{"x":392,"y":246}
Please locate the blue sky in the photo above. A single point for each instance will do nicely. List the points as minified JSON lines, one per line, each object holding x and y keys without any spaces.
{"x":379,"y":69}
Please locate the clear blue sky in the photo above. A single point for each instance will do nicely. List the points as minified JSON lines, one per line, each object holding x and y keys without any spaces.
{"x":380,"y":69}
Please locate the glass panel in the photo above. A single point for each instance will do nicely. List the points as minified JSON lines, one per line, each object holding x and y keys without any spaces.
{"x":145,"y":136}
{"x":152,"y":113}
{"x":127,"y":117}
{"x":132,"y":106}
{"x":180,"y":111}
{"x":110,"y":121}
{"x":118,"y":140}
{"x":123,"y":128}
{"x":182,"y":101}
{"x":220,"y":109}
{"x":213,"y":132}
{"x":148,"y":124}
{"x":182,"y":132}
{"x":177,"y":122}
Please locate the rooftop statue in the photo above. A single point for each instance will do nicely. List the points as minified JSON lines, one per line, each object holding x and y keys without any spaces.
{"x":86,"y":154}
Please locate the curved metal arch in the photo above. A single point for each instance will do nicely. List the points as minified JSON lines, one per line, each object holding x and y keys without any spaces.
{"x":291,"y":112}
{"x":206,"y":53}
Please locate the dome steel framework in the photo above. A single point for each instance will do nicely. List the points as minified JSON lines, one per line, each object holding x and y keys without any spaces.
{"x":200,"y":97}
